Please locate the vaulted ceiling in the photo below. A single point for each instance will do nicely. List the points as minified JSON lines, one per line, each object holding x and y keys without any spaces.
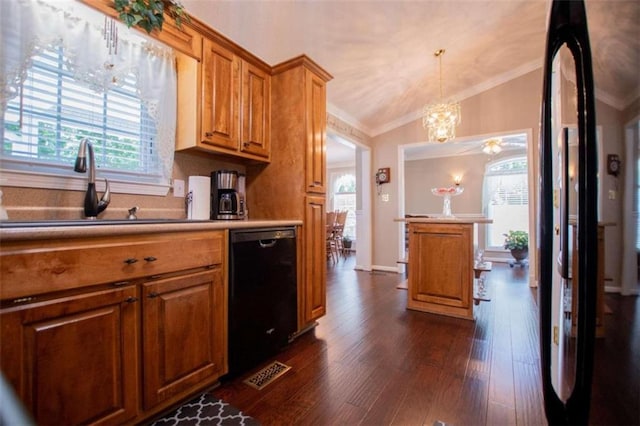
{"x":381,"y":52}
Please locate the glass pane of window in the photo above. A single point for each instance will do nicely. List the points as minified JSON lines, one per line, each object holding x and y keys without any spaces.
{"x":45,"y":123}
{"x":506,"y":199}
{"x":345,"y":199}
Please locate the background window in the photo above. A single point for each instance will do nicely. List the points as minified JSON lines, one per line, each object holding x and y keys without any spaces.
{"x":344,"y":198}
{"x":506,"y":197}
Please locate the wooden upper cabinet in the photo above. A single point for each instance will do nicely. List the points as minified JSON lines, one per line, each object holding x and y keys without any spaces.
{"x":220,"y":96}
{"x":224,"y":104}
{"x":316,"y":113}
{"x":256,"y":107}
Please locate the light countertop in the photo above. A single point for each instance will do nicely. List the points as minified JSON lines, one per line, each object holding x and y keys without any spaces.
{"x":24,"y":231}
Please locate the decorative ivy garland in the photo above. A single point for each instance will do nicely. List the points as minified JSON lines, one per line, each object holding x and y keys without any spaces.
{"x":149,"y":14}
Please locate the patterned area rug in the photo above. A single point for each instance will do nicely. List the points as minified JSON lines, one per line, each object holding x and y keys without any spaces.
{"x":206,"y":410}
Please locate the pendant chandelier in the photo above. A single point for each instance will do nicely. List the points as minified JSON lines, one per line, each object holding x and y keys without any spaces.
{"x":441,"y":119}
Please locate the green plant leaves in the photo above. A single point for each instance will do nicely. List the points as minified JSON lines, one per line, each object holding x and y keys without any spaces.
{"x":515,"y":240}
{"x":149,"y":14}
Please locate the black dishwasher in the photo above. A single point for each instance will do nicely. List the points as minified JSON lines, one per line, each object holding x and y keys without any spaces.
{"x":263,"y":301}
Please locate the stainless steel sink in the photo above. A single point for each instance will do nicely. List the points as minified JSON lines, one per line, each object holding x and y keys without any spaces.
{"x":86,"y":222}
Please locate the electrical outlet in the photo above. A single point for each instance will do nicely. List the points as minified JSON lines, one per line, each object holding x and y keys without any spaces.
{"x":178,"y":188}
{"x":612,"y":194}
{"x":385,"y":198}
{"x":556,"y":335}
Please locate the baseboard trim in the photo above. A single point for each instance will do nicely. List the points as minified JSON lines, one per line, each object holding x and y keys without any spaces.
{"x":362,"y":268}
{"x":385,"y":268}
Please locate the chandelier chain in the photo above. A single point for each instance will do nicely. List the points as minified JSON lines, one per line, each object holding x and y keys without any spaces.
{"x":441,"y":118}
{"x":439,"y":54}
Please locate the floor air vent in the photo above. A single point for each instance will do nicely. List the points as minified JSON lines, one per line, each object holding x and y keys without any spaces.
{"x":267,"y":375}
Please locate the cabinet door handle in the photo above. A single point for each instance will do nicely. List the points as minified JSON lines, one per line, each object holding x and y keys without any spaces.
{"x":209,"y":134}
{"x":130,"y":261}
{"x":152,"y":295}
{"x":120,"y":283}
{"x":150,"y":259}
{"x":131,"y":299}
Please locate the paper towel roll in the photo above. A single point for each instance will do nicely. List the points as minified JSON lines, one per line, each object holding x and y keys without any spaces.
{"x":200,"y":196}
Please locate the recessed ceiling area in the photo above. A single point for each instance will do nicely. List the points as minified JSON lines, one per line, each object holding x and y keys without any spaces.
{"x":512,"y":143}
{"x":381,"y":52}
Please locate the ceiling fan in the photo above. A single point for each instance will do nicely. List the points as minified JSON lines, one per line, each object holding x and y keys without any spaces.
{"x":493,"y":146}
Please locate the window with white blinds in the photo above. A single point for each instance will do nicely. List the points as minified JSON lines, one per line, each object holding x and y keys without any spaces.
{"x":44,"y":124}
{"x":506,"y":198}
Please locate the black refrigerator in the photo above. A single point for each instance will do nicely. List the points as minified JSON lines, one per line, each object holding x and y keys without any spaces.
{"x":568,"y":217}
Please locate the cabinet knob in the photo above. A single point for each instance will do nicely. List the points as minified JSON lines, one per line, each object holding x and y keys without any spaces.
{"x":130,"y":261}
{"x":208,"y":134}
{"x":152,"y":295}
{"x":131,"y":299}
{"x":150,"y":259}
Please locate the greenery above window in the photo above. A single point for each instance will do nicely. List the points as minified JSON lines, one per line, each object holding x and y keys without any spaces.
{"x":149,"y":14}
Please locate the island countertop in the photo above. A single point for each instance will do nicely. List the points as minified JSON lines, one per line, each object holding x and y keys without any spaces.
{"x":435,"y":219}
{"x":441,"y":271}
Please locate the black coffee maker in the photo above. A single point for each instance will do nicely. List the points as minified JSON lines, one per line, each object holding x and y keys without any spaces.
{"x":225,"y":202}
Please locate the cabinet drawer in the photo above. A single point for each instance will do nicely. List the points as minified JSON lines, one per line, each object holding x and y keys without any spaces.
{"x":43,"y":266}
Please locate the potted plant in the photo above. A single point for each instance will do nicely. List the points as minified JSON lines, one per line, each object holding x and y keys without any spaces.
{"x":518,"y":243}
{"x":149,"y":14}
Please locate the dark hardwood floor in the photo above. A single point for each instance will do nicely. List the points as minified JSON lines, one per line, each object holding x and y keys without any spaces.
{"x":372,"y":362}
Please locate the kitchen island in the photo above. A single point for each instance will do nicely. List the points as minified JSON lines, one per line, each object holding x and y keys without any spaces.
{"x":441,"y":270}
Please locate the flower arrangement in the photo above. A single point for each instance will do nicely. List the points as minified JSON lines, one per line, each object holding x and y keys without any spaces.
{"x":516,"y":240}
{"x":149,"y":14}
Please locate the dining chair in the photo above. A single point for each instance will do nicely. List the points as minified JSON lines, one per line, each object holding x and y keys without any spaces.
{"x":331,"y":218}
{"x":338,"y":230}
{"x":332,"y":251}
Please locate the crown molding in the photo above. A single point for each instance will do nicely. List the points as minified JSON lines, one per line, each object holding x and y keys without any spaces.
{"x":336,"y":122}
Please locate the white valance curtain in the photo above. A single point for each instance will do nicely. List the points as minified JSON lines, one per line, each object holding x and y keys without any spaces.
{"x":29,"y":26}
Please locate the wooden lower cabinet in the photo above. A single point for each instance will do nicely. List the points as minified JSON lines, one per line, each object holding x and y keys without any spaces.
{"x":120,"y":352}
{"x":74,"y":360}
{"x":315,"y":259}
{"x":441,"y":271}
{"x":182,"y":334}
